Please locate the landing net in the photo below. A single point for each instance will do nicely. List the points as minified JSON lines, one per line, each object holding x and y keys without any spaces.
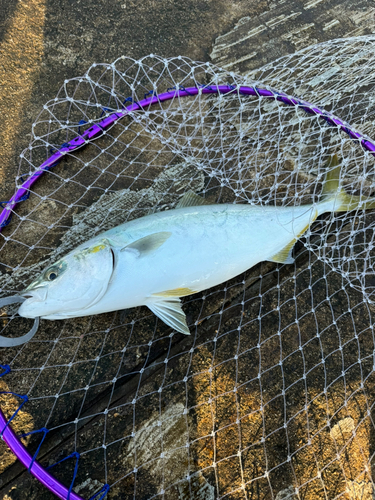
{"x":272,"y":394}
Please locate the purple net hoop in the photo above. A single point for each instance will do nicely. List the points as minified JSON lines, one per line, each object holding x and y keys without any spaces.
{"x":95,"y":131}
{"x":36,"y":469}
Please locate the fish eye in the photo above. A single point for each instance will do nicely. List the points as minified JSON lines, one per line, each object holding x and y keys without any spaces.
{"x":51,"y":276}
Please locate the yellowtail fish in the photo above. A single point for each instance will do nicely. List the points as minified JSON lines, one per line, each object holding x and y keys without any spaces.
{"x":156,"y":259}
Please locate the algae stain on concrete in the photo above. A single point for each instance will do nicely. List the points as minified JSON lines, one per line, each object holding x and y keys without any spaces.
{"x":21,"y":52}
{"x":159,"y":445}
{"x":21,"y":424}
{"x":227,"y":422}
{"x":197,"y":487}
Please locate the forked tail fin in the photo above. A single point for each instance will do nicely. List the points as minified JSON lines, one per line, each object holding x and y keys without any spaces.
{"x":333,"y":199}
{"x":343,"y":202}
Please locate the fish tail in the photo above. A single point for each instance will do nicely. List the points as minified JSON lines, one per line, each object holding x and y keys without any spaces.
{"x":342,"y":201}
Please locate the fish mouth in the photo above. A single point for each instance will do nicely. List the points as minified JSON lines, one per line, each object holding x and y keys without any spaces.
{"x":34,"y":301}
{"x":37,"y":295}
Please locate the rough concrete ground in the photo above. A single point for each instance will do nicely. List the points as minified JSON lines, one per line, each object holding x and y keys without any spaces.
{"x":42,"y":44}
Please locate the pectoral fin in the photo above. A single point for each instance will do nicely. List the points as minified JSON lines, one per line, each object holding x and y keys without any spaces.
{"x":191,"y":199}
{"x":169,"y":310}
{"x":148,"y":244}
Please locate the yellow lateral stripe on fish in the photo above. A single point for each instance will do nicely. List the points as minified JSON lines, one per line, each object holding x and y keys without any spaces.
{"x":158,"y":258}
{"x":177,"y":292}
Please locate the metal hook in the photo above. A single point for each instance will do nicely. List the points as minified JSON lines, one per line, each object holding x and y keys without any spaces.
{"x":14,"y":341}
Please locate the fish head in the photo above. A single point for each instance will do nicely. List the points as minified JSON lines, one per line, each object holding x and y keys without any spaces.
{"x":71,"y":285}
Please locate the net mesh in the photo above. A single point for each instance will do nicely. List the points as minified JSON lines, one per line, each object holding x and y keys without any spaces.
{"x":272,"y":395}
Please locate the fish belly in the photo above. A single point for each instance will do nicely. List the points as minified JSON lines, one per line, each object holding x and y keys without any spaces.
{"x":207,"y":246}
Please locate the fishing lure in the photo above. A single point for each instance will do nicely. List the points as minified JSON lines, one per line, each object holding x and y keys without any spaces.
{"x":157,"y":259}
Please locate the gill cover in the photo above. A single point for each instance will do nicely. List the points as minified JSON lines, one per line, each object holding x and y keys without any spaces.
{"x":74,"y":283}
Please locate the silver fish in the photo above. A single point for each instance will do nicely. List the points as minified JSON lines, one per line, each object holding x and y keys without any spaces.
{"x":157,"y":259}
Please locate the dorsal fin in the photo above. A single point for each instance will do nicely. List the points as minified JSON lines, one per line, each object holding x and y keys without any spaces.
{"x":190,"y":199}
{"x":332,"y":180}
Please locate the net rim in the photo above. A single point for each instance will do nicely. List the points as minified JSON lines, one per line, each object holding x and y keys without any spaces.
{"x":96,"y":130}
{"x":34,"y":467}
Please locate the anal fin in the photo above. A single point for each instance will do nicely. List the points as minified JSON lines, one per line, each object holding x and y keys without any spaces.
{"x":169,"y":310}
{"x":284,"y":256}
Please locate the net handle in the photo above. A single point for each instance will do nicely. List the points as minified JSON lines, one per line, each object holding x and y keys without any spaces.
{"x":15,"y":445}
{"x":97,"y":130}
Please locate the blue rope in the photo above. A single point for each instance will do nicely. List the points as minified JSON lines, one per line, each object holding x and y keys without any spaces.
{"x":307,"y":110}
{"x":57,"y":148}
{"x":24,"y":398}
{"x":150,"y":92}
{"x":180,"y":87}
{"x":128,"y":99}
{"x":202,"y":86}
{"x":44,"y":430}
{"x":81,"y":122}
{"x":23,"y":198}
{"x":184,"y":90}
{"x":74,"y":475}
{"x":6,"y":369}
{"x":104,"y":110}
{"x":76,"y":455}
{"x":105,"y":489}
{"x":6,"y":222}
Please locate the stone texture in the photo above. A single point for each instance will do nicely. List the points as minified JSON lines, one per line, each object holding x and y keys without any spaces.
{"x":287,"y":27}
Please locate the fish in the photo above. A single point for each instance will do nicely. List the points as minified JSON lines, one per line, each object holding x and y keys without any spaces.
{"x":157,"y":259}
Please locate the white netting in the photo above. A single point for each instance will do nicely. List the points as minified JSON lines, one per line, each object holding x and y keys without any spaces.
{"x":272,"y":394}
